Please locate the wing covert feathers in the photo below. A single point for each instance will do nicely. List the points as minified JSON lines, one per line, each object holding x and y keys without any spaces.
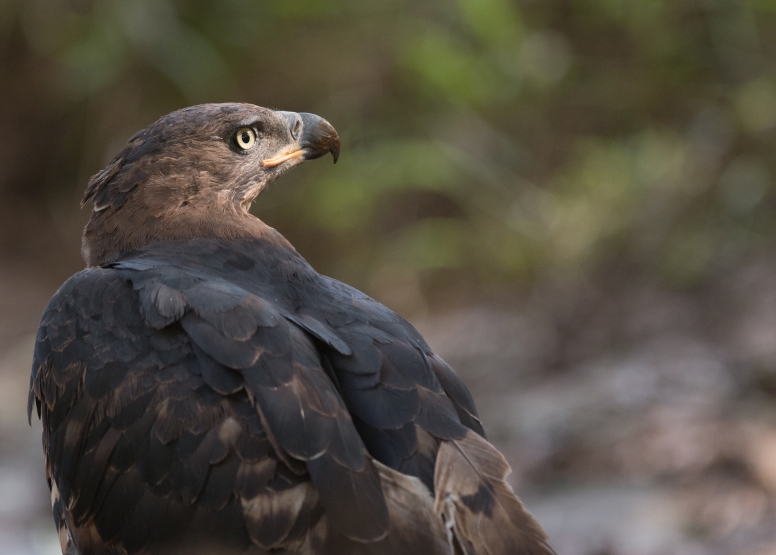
{"x":186,"y":406}
{"x":482,"y":514}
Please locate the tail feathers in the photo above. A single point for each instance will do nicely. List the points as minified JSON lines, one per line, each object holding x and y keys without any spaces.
{"x":482,"y":514}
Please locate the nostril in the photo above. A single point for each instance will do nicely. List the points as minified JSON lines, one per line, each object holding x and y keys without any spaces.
{"x":296,"y":129}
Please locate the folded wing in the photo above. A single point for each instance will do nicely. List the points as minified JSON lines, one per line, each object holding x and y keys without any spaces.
{"x":180,"y":408}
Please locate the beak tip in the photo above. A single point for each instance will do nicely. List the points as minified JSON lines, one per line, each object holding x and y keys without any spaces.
{"x":318,"y":137}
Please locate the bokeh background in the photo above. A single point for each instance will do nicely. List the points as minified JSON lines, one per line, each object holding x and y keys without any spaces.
{"x":574,"y":201}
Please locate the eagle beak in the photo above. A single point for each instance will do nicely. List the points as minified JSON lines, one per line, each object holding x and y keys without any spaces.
{"x":316,"y":138}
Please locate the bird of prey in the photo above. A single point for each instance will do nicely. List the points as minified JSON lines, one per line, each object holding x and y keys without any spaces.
{"x":203,"y":390}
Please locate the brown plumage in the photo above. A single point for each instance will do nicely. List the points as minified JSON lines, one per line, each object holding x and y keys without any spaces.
{"x":204,"y":390}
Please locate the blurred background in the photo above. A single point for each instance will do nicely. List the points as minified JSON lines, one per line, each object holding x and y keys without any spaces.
{"x":574,"y":200}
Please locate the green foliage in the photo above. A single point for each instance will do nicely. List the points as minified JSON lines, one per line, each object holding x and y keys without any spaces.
{"x":491,"y":139}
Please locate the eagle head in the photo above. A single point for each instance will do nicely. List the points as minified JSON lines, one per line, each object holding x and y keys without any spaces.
{"x":195,"y":173}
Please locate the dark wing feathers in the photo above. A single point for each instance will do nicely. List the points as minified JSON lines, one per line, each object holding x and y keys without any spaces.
{"x":457,"y":392}
{"x":250,"y":410}
{"x":148,"y":427}
{"x":320,"y":331}
{"x":305,"y":417}
{"x":102,"y":431}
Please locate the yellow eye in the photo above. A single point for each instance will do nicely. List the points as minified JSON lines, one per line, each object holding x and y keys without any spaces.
{"x":245,"y":138}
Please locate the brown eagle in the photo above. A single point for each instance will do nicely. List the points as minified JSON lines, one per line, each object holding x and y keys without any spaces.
{"x":204,"y":390}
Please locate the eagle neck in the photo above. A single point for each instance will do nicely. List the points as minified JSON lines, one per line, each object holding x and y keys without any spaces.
{"x":111,"y":233}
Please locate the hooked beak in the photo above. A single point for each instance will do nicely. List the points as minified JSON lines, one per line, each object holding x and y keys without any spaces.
{"x":314,"y":137}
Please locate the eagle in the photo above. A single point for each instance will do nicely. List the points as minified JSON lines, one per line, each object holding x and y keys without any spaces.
{"x":202,"y":389}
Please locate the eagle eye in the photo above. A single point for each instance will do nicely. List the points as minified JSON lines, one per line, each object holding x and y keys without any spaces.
{"x":245,"y":138}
